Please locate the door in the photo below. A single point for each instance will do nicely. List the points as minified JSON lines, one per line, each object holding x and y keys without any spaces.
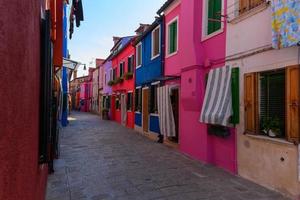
{"x":123,"y":110}
{"x":175,"y":108}
{"x":145,"y":110}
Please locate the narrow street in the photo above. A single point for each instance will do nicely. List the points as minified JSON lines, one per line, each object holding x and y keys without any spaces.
{"x":103,"y":160}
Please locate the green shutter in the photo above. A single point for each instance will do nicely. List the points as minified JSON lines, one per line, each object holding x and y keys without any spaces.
{"x":173,"y":37}
{"x":235,"y":86}
{"x":214,"y":11}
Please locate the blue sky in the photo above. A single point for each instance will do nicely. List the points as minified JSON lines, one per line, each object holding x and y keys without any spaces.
{"x":105,"y":19}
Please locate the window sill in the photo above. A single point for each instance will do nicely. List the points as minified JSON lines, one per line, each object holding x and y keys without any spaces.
{"x":153,"y":57}
{"x":249,"y":13}
{"x":207,"y":37}
{"x":269,"y":139}
{"x":138,"y":66}
{"x":172,"y":54}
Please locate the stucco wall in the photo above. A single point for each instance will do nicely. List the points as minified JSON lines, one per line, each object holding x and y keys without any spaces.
{"x":20,"y":175}
{"x":261,"y":159}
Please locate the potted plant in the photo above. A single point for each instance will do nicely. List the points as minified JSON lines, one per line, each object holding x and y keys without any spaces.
{"x":120,"y":80}
{"x":128,"y":76}
{"x":271,"y":127}
{"x":111,"y":83}
{"x":105,"y":114}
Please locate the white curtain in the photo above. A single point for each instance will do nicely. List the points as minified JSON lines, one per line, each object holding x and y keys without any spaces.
{"x":165,"y":112}
{"x":123,"y":110}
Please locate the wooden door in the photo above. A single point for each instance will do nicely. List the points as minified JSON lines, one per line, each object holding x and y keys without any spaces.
{"x":175,"y":108}
{"x":145,"y":110}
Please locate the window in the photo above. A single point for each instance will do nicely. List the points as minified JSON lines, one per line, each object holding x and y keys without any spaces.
{"x":130,"y":64}
{"x":155,"y":42}
{"x":105,"y":78}
{"x":138,"y":100}
{"x":129,"y":101}
{"x":271,"y":103}
{"x":111,"y":77}
{"x":114,"y":73}
{"x":122,"y":64}
{"x":139,"y":55}
{"x":118,"y":106}
{"x":173,"y":36}
{"x":246,"y":5}
{"x":153,"y":99}
{"x":214,"y":8}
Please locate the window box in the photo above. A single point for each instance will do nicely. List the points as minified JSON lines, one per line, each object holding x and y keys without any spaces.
{"x":119,"y":80}
{"x":111,"y":83}
{"x":128,"y":76}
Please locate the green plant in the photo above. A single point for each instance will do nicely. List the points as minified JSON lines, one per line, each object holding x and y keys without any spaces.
{"x":128,"y":76}
{"x":271,"y":124}
{"x":111,"y":83}
{"x":119,"y":80}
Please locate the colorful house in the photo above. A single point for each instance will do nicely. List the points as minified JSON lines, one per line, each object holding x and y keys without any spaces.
{"x":268,"y":135}
{"x":107,"y":90}
{"x":123,"y":81}
{"x":149,"y":72}
{"x":195,"y":40}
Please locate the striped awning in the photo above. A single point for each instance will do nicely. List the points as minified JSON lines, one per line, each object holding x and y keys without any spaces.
{"x":217,"y":106}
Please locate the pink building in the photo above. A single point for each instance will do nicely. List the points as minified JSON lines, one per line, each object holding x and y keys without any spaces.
{"x":195,"y":40}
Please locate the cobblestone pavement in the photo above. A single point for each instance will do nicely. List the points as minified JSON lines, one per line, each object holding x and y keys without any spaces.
{"x":103,"y":160}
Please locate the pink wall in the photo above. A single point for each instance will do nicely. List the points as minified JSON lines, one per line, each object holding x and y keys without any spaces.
{"x":190,"y":64}
{"x":21,"y":177}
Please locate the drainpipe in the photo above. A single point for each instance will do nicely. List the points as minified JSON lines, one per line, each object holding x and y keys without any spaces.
{"x":163,"y":46}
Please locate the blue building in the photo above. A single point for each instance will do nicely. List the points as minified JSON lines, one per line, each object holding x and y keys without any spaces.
{"x":149,"y":72}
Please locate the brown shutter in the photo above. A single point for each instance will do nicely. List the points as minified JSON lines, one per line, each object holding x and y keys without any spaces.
{"x":292,"y":109}
{"x":243,"y":6}
{"x":250,"y":103}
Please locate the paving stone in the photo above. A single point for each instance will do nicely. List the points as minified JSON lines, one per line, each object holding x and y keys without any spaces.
{"x":102,"y":160}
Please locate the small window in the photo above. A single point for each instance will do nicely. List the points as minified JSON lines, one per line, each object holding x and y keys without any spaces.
{"x":117,"y":103}
{"x":111,"y":76}
{"x":122,"y":69}
{"x":139,"y":55}
{"x":214,"y":16}
{"x":156,"y":42}
{"x":130,"y":64}
{"x":247,"y":5}
{"x":129,"y":101}
{"x":153,"y":99}
{"x":173,"y":36}
{"x":114,"y":73}
{"x":138,"y":100}
{"x":271,"y":101}
{"x":105,"y":80}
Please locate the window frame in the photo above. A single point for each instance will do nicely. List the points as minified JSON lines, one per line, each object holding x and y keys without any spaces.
{"x":159,"y":42}
{"x":251,"y":80}
{"x":168,"y":54}
{"x":121,"y":66}
{"x":248,"y":8}
{"x":204,"y":34}
{"x":138,"y":65}
{"x":131,"y":64}
{"x":130,"y":108}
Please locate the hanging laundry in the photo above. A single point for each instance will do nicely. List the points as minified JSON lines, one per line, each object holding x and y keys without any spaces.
{"x":75,"y":14}
{"x":285,"y":23}
{"x":217,"y":106}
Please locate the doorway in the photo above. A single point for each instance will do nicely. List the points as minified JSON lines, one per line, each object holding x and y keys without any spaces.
{"x":123,"y":110}
{"x":175,"y":108}
{"x":145,"y":109}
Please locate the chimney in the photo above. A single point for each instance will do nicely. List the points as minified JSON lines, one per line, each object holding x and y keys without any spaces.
{"x":75,"y":74}
{"x":116,"y":39}
{"x":142,"y":28}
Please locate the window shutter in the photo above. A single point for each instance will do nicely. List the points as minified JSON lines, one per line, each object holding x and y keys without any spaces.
{"x":293,"y":100}
{"x":244,"y":4}
{"x":235,"y":86}
{"x":250,"y":103}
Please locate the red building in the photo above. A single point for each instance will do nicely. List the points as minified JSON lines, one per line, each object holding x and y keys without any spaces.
{"x":123,"y":81}
{"x":25,"y":38}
